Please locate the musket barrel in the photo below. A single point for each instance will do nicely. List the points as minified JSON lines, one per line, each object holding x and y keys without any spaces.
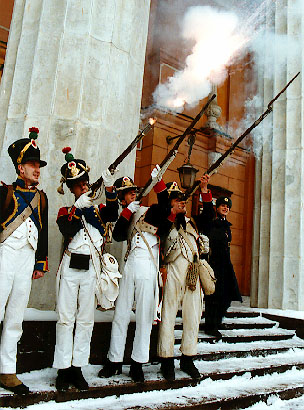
{"x":190,"y":191}
{"x":130,"y":148}
{"x":177,"y":144}
{"x":97,"y":184}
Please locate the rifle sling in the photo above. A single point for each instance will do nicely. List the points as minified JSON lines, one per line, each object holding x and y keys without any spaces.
{"x":19,"y":219}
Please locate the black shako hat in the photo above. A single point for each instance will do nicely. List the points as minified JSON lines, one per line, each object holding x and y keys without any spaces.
{"x":123,"y":185}
{"x":223,"y":200}
{"x":74,"y":170}
{"x":174,"y":191}
{"x":26,"y":149}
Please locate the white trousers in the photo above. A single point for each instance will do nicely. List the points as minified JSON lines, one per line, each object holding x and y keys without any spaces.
{"x":16,"y":269}
{"x":138,"y":282}
{"x":76,"y":303}
{"x":176,"y":292}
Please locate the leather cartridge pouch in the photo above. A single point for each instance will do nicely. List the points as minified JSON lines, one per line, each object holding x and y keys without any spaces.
{"x":80,"y":261}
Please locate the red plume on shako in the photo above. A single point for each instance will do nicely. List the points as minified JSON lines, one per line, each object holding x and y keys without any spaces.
{"x":33,"y":135}
{"x":72,"y":170}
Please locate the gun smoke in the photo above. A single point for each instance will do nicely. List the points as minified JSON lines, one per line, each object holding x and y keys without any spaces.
{"x":216,"y":42}
{"x":222,"y":35}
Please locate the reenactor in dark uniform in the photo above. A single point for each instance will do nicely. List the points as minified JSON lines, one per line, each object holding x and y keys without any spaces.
{"x":217,"y":228}
{"x":23,"y":250}
{"x":83,"y":227}
{"x":143,"y":228}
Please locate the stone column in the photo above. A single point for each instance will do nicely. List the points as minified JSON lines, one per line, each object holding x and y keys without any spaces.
{"x":278,"y":274}
{"x":74,"y":69}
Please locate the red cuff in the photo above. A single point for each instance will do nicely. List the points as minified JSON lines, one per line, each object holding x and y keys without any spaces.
{"x":160,"y":187}
{"x":207,"y":197}
{"x":172,"y":217}
{"x":126,"y":213}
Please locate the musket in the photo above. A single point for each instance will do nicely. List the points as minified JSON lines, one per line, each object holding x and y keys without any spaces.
{"x":172,"y":152}
{"x":190,"y":191}
{"x":97,"y":184}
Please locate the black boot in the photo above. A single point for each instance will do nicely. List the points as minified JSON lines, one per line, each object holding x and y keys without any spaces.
{"x":136,"y":372}
{"x":167,"y":368}
{"x":77,"y":379}
{"x":12,"y":383}
{"x":187,"y":366}
{"x":110,"y":369}
{"x":212,"y":331}
{"x":21,"y":389}
{"x":63,"y":379}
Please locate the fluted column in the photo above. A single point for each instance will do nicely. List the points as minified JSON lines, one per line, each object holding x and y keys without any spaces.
{"x":278,"y":234}
{"x":261,"y":239}
{"x":294,"y":212}
{"x":277,"y":217}
{"x":74,"y":69}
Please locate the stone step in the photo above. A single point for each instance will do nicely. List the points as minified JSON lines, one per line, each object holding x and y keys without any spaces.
{"x":241,"y":354}
{"x":217,"y":351}
{"x":237,"y":313}
{"x":241,"y":336}
{"x":241,"y":402}
{"x":234,"y":313}
{"x":236,"y":325}
{"x":119,"y":388}
{"x":252,"y":347}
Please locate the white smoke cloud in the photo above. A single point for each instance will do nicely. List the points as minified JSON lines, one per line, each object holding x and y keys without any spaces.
{"x":216,"y":43}
{"x":274,"y":53}
{"x":219,"y":37}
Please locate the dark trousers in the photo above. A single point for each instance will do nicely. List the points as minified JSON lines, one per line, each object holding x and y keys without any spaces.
{"x":214,"y":312}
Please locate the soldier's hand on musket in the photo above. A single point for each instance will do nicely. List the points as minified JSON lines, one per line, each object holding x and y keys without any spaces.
{"x":37,"y":274}
{"x":204,"y":183}
{"x":84,"y":201}
{"x":134,"y":206}
{"x":109,"y":178}
{"x":156,"y":173}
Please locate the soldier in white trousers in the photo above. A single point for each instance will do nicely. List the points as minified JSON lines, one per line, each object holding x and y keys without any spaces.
{"x":83,"y":228}
{"x":181,"y":245}
{"x":23,"y":250}
{"x":142,"y":227}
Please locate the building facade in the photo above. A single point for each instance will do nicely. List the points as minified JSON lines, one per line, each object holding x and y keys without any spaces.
{"x":82,"y":70}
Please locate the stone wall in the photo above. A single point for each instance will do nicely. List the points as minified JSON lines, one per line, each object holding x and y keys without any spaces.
{"x":74,"y":69}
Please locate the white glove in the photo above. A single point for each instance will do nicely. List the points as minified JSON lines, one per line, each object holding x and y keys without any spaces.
{"x":84,"y":201}
{"x":108,"y":178}
{"x":156,"y":173}
{"x":134,"y":206}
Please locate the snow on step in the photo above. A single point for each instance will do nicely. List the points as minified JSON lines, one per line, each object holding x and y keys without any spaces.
{"x":206,"y":392}
{"x":44,"y":380}
{"x":274,"y":403}
{"x":249,"y":320}
{"x":291,"y":357}
{"x":219,"y":347}
{"x":242,"y":333}
{"x":255,"y":332}
{"x":239,"y":320}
